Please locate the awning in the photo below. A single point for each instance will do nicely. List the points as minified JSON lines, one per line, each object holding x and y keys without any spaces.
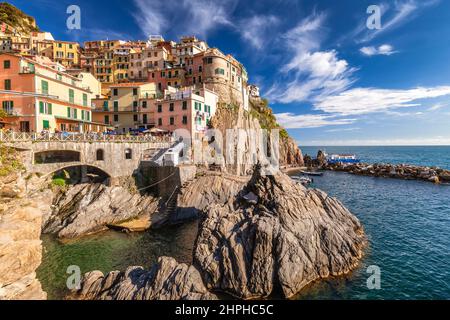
{"x":157,"y":130}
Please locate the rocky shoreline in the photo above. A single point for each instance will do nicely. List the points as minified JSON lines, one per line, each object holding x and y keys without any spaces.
{"x":269,"y":235}
{"x":399,"y":171}
{"x":384,"y":170}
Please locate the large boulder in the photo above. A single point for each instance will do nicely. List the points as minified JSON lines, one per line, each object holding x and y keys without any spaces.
{"x":276,"y":234}
{"x":88,"y":208}
{"x":166,"y":280}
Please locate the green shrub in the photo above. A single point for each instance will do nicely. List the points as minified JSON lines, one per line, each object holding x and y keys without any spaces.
{"x":59,"y":182}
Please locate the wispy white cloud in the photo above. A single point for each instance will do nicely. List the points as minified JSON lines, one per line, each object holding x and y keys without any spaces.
{"x":385,"y":50}
{"x":255,"y":29}
{"x":309,"y":72}
{"x":437,"y":106}
{"x":393,"y":16}
{"x":343,"y":129}
{"x":197,"y":17}
{"x":301,"y":121}
{"x":414,"y":141}
{"x":368,"y":100}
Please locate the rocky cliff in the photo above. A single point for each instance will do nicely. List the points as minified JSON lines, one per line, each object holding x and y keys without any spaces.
{"x":21,"y":210}
{"x":276,"y":234}
{"x":15,"y":18}
{"x":268,"y":236}
{"x":247,"y":148}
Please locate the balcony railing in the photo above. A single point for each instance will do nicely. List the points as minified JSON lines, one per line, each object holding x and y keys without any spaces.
{"x":14,"y":137}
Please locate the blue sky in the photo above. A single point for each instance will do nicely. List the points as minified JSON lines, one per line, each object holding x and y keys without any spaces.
{"x":330,"y":80}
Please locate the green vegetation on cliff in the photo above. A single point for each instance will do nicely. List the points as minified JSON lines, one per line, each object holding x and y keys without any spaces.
{"x":9,"y":161}
{"x":260,"y":109}
{"x":14,"y":17}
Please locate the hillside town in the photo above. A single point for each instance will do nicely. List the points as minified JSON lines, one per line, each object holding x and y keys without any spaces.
{"x":115,"y":86}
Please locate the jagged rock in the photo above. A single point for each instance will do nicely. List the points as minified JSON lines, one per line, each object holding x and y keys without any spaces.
{"x":205,"y":190}
{"x":291,"y":237}
{"x":88,"y":208}
{"x":166,"y":280}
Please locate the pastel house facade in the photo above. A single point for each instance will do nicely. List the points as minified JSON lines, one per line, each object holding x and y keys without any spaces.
{"x":38,"y":97}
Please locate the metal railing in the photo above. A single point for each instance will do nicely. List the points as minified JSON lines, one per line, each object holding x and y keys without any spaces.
{"x":160,"y":142}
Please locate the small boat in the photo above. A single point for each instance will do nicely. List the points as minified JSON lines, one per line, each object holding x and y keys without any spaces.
{"x":305,"y":181}
{"x":342,"y":158}
{"x":312,"y":173}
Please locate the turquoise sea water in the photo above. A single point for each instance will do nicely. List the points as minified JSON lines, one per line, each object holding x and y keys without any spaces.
{"x":408,"y":227}
{"x":407,"y":224}
{"x":425,"y":156}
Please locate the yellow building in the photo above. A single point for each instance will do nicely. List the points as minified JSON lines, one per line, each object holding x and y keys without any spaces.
{"x":66,"y":53}
{"x":121,"y":109}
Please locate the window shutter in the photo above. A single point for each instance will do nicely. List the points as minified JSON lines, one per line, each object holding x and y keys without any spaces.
{"x":85,"y":100}
{"x":75,"y":113}
{"x":68,"y":112}
{"x":49,"y":106}
{"x":41,"y":107}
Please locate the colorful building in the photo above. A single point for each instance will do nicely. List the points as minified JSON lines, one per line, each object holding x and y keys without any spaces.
{"x":121,"y":108}
{"x":38,"y":96}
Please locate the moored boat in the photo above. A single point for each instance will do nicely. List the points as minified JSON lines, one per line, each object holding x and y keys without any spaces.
{"x":342,"y":158}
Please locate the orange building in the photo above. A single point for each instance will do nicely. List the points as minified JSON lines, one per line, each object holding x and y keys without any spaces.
{"x":38,"y":96}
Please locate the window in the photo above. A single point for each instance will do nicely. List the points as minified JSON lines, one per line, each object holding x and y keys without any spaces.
{"x":160,"y":122}
{"x":116,"y":118}
{"x":116,"y":106}
{"x":219,"y":71}
{"x":135,"y":91}
{"x":7,"y":84}
{"x":171,"y":107}
{"x":88,"y":115}
{"x":199,"y":79}
{"x":82,"y":114}
{"x":185,"y":119}
{"x":44,"y":87}
{"x":128,"y":154}
{"x":71,"y":96}
{"x":46,"y":124}
{"x":144,"y":104}
{"x":159,"y":108}
{"x":106,"y":119}
{"x":85,"y":99}
{"x":45,"y":108}
{"x":8,"y":106}
{"x":144,"y":118}
{"x":172,"y":121}
{"x":115,"y":92}
{"x":135,"y":118}
{"x":200,"y":68}
{"x":7,"y":64}
{"x":105,"y":106}
{"x":209,"y":60}
{"x":184,"y":105}
{"x":100,"y":155}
